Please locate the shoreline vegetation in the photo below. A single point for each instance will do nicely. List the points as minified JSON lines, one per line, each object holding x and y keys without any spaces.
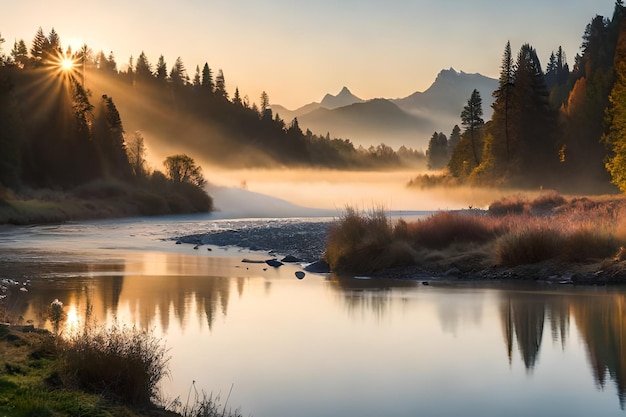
{"x":575,"y":240}
{"x":103,"y":199}
{"x":95,"y":371}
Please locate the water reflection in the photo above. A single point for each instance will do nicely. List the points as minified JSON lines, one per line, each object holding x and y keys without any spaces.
{"x":172,"y":291}
{"x":601,"y":321}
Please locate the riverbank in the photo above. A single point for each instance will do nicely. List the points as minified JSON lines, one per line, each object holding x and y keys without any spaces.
{"x":550,"y":238}
{"x":102,"y":199}
{"x":31,"y":381}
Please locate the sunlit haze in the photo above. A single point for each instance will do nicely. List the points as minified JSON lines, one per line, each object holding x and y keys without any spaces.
{"x":299,"y":51}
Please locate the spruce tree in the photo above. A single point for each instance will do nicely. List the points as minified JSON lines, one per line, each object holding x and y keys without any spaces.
{"x":472,"y":120}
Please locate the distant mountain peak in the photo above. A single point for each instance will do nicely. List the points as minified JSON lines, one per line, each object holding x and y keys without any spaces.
{"x":343,"y":98}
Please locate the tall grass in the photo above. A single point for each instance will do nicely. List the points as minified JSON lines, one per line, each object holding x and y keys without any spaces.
{"x":121,"y":362}
{"x":514,"y":231}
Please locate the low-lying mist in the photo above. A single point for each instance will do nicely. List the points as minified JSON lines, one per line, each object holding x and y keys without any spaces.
{"x":334,"y":190}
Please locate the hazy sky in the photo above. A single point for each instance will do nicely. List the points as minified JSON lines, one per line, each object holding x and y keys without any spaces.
{"x":297,"y":51}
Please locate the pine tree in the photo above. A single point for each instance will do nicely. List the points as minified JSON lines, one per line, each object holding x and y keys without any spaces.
{"x":19,"y":53}
{"x":207,"y":78}
{"x":178,"y":75}
{"x":615,"y":138}
{"x":143,"y":68}
{"x":455,"y":136}
{"x":220,"y":85}
{"x":472,"y":120}
{"x":502,"y":106}
{"x":161,"y":69}
{"x":437,"y":153}
{"x":197,"y":80}
{"x":237,"y":97}
{"x":39,"y":46}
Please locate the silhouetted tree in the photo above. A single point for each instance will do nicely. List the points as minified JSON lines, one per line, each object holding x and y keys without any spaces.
{"x":161,"y":69}
{"x":437,"y":153}
{"x":237,"y":97}
{"x":220,"y":85}
{"x":472,"y":120}
{"x":19,"y":53}
{"x":207,"y":78}
{"x":136,"y":152}
{"x":143,"y":68}
{"x":455,"y":136}
{"x":197,"y":80}
{"x":178,"y":75}
{"x":39,"y":46}
{"x":183,"y":169}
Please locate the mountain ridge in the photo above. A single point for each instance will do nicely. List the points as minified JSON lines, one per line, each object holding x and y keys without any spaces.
{"x":412,"y":119}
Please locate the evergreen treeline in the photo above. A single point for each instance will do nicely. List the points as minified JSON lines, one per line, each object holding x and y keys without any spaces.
{"x":560,"y":128}
{"x":55,"y":134}
{"x":61,"y":127}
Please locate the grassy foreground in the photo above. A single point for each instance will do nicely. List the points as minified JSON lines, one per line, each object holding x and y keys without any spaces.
{"x":549,"y":237}
{"x":97,"y":372}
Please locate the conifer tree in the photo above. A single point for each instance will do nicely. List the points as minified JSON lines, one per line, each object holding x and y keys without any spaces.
{"x":220,"y":85}
{"x":207,"y":78}
{"x":39,"y":46}
{"x":197,"y":80}
{"x":143,"y":68}
{"x":161,"y":69}
{"x":178,"y":75}
{"x":19,"y":53}
{"x":615,"y":138}
{"x":472,"y":120}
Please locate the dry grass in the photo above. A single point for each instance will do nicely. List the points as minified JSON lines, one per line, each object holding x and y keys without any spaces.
{"x":120,"y":362}
{"x":514,"y":231}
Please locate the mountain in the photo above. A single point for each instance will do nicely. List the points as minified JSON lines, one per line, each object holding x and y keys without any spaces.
{"x":408,"y":121}
{"x":369,"y":123}
{"x":444,"y":100}
{"x":288,"y":115}
{"x":344,"y":98}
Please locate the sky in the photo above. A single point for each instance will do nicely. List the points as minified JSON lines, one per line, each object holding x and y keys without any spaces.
{"x":297,"y":51}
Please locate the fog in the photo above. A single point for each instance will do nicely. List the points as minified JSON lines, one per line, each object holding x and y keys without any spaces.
{"x":334,"y":190}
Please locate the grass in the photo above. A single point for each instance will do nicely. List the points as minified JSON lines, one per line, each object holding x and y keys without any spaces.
{"x":103,"y":199}
{"x":123,"y":363}
{"x":97,"y":372}
{"x":514,"y":231}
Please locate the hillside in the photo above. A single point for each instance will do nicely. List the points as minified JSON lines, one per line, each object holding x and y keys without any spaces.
{"x":369,"y":123}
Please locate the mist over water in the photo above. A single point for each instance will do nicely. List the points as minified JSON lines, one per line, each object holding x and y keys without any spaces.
{"x":334,"y":190}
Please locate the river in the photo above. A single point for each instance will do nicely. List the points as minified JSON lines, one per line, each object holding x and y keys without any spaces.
{"x":275,"y":345}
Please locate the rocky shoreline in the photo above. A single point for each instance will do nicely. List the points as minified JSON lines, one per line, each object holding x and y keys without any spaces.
{"x":306,"y":241}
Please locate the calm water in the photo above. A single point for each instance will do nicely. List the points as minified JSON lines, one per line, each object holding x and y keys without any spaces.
{"x":324,"y":346}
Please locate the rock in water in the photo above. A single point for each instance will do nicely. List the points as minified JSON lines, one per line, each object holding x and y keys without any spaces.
{"x":290,"y":259}
{"x":300,"y":274}
{"x":274,"y":263}
{"x":318,"y":267}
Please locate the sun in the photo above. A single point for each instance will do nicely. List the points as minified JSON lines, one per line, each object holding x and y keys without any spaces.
{"x":67,"y":64}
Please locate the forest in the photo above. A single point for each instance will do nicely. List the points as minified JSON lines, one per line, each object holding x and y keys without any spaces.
{"x":62,"y":127}
{"x":62,"y":112}
{"x":563,"y":129}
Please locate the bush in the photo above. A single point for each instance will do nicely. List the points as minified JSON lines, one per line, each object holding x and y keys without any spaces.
{"x":357,"y":240}
{"x":547,"y":201}
{"x":445,"y":228}
{"x":586,"y":244}
{"x":508,"y":205}
{"x":119,"y":362}
{"x":528,"y":246}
